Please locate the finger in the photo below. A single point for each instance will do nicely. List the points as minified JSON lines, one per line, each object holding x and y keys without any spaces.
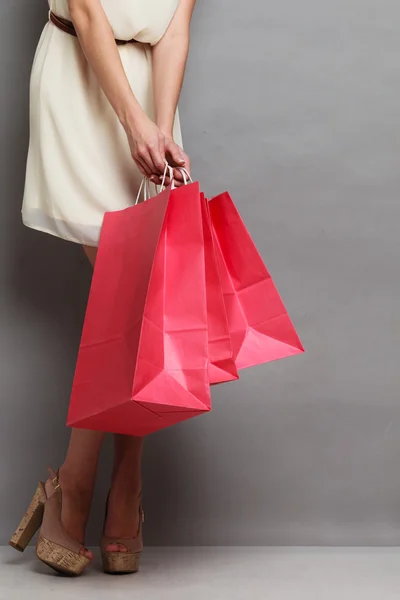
{"x":141,"y":164}
{"x":159,"y":180}
{"x":187,"y":162}
{"x":158,"y":159}
{"x":178,"y":173}
{"x":161,"y":147}
{"x":146,"y":161}
{"x":141,"y":168}
{"x":175,"y":154}
{"x":178,"y":176}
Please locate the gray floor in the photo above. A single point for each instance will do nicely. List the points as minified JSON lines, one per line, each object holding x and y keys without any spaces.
{"x":217,"y":574}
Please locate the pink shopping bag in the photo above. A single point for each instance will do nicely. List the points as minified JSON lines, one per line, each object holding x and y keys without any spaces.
{"x":260,"y":327}
{"x":143,"y":358}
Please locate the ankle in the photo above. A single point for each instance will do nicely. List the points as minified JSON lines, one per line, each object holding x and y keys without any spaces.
{"x":123,"y":514}
{"x":71,"y":482}
{"x":125,"y":483}
{"x":125,"y":494}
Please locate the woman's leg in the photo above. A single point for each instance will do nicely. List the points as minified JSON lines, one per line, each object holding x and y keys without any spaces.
{"x":77,"y":474}
{"x":123,"y":505}
{"x":91,"y":253}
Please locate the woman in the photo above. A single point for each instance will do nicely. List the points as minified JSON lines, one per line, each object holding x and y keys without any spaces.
{"x":105,"y":85}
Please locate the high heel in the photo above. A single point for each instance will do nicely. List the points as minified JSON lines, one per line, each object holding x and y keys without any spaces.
{"x":54,"y":546}
{"x":31,"y":521}
{"x":123,"y":562}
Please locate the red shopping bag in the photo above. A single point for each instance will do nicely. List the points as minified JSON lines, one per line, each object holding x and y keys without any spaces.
{"x":260,"y":327}
{"x":221,"y":367}
{"x":143,"y":358}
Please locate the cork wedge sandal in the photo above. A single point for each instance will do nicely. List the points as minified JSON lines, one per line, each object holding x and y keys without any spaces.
{"x":54,"y":546}
{"x":126,"y":561}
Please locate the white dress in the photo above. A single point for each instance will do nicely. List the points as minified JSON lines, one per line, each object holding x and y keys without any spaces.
{"x":79,"y":163}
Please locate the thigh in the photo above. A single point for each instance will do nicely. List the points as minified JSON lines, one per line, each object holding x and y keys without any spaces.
{"x":91,"y":253}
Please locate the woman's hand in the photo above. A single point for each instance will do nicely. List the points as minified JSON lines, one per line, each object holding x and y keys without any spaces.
{"x":150,"y":148}
{"x":177,"y":159}
{"x":170,"y":148}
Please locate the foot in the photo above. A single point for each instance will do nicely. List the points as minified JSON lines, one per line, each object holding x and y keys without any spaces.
{"x":122,"y":516}
{"x":76,"y":502}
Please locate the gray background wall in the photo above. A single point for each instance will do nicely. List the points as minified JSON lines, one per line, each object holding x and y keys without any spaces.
{"x":294,"y":106}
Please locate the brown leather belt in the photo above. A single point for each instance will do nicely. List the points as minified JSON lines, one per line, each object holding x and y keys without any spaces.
{"x":68,"y":27}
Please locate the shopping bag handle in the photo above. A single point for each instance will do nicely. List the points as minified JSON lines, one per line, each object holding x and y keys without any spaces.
{"x":145,"y":186}
{"x":186,"y":175}
{"x":170,"y":170}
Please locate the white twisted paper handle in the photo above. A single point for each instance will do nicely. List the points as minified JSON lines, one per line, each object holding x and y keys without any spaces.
{"x":145,"y":185}
{"x":186,"y":176}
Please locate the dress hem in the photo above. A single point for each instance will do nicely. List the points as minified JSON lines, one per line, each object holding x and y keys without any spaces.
{"x":58,"y":235}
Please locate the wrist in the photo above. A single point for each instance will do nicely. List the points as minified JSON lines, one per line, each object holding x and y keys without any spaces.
{"x":166,"y":130}
{"x":130,"y":115}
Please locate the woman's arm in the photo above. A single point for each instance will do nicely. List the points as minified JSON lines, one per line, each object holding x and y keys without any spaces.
{"x":146,"y":141}
{"x":169,"y":61}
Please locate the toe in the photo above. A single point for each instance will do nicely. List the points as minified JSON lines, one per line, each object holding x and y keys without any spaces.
{"x":87,"y":553}
{"x":112,"y":548}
